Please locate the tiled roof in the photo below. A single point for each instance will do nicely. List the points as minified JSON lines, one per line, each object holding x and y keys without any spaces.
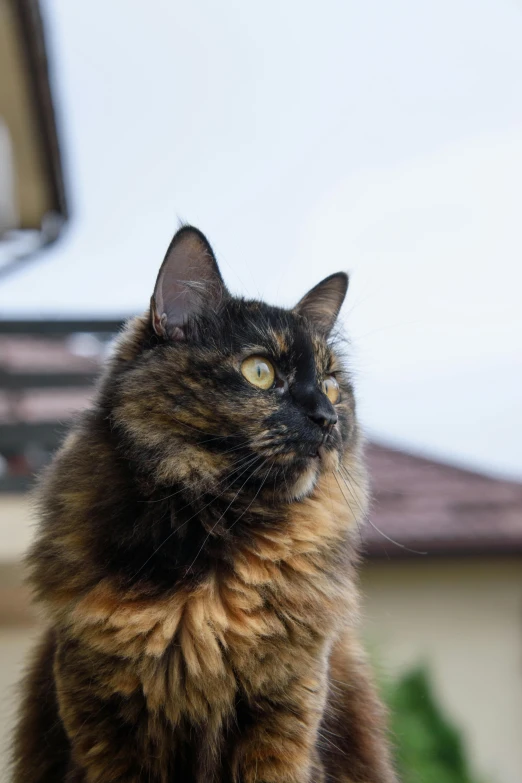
{"x":435,"y":508}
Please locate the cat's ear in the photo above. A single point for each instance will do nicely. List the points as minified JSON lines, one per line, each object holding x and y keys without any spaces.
{"x":322,"y":303}
{"x":189,"y":283}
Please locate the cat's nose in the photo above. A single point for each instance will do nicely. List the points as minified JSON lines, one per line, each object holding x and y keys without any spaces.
{"x":317,"y":406}
{"x":324,"y":418}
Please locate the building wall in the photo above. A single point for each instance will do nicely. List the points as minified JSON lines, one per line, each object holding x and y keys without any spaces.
{"x":464,"y":619}
{"x":17,"y":623}
{"x":16,"y":528}
{"x":15,"y":646}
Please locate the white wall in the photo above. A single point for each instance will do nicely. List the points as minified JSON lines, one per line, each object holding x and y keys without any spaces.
{"x":464,"y":619}
{"x":16,"y":526}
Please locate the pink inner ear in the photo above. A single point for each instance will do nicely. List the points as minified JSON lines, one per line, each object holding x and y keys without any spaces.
{"x":322,"y":303}
{"x":161,"y":326}
{"x":177,"y":334}
{"x":188,"y":283}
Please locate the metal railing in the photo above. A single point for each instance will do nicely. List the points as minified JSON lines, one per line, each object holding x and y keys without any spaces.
{"x":20,"y":435}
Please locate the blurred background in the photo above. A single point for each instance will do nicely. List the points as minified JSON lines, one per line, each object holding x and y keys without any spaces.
{"x":382,"y":138}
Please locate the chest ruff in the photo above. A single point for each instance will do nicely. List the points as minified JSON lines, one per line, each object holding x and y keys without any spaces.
{"x":244,"y":626}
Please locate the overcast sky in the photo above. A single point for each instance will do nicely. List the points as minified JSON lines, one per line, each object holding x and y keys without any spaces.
{"x":381,"y":138}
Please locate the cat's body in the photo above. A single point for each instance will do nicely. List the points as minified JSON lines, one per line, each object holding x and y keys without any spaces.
{"x":197,"y":552}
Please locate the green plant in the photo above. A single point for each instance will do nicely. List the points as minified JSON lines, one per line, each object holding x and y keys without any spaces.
{"x":428,"y":748}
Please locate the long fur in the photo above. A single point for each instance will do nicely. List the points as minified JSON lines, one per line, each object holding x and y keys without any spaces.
{"x":197,"y":569}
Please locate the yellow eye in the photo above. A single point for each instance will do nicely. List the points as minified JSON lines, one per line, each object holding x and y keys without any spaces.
{"x":258,"y":371}
{"x":331,"y":389}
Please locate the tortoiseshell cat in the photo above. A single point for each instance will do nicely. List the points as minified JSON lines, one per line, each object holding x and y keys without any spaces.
{"x":196,"y":556}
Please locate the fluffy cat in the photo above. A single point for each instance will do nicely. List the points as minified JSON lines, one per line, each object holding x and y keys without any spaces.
{"x":197,"y":551}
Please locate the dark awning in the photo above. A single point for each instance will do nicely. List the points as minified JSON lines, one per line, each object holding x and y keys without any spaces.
{"x":33,"y":205}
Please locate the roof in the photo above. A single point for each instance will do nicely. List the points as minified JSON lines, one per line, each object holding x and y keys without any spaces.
{"x":419,"y":505}
{"x":434,"y":508}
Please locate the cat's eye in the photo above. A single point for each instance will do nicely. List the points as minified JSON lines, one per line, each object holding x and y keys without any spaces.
{"x":331,"y":389}
{"x":259,"y":372}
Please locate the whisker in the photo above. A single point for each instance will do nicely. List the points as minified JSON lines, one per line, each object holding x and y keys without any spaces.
{"x":347,"y":478}
{"x":234,"y":465}
{"x":384,"y":535}
{"x":155,"y":552}
{"x":348,"y":504}
{"x":392,"y":540}
{"x":220,"y":437}
{"x":286,"y":485}
{"x":218,"y":521}
{"x":211,"y":435}
{"x":235,"y":448}
{"x":255,"y":496}
{"x":329,"y":741}
{"x":331,"y":733}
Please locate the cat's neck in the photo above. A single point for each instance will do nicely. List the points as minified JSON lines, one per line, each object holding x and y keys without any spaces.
{"x":101,"y":519}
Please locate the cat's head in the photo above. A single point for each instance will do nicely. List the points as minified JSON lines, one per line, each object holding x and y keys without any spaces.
{"x":209,"y":391}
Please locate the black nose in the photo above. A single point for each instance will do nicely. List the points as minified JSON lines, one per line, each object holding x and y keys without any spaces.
{"x":324,"y":418}
{"x":316,"y":405}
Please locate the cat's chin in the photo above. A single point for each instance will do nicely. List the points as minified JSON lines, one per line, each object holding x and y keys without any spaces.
{"x":306,"y":482}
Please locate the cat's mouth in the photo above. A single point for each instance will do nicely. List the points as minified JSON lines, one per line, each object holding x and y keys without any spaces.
{"x":292,"y":469}
{"x":324,"y":459}
{"x":306,"y":454}
{"x":308,"y":469}
{"x":319,"y":451}
{"x":314,"y":461}
{"x":312,"y":454}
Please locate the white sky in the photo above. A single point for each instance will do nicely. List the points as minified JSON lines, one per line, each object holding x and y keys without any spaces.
{"x":303,"y":138}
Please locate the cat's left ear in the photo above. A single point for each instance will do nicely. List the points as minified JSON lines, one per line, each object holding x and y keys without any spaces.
{"x":322,"y":303}
{"x":189,"y":283}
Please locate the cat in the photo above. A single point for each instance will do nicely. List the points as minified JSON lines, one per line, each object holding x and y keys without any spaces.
{"x":196,"y":557}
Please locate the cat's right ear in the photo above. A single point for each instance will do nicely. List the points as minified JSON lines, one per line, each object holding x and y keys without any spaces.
{"x":189,"y":283}
{"x":322,"y":303}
